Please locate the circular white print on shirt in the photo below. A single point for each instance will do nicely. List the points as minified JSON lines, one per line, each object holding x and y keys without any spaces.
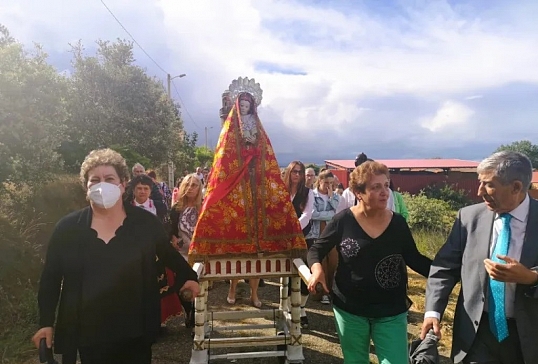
{"x":388,"y":271}
{"x":349,"y":248}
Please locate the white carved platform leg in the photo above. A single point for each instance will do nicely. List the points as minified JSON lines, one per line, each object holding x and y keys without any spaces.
{"x":199,"y":349}
{"x":288,"y":339}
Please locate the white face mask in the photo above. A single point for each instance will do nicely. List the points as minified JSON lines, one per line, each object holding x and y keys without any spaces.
{"x":104,"y":194}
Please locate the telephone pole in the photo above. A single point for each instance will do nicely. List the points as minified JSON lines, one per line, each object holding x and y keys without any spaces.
{"x":206,"y":129}
{"x":171,"y":167}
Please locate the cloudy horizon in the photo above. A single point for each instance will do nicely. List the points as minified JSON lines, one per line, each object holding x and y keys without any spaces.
{"x":393,"y":79}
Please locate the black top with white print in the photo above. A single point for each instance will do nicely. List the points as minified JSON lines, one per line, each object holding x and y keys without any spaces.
{"x":371,"y":278}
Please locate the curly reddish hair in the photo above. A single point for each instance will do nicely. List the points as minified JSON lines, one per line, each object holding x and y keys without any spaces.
{"x":364,"y":173}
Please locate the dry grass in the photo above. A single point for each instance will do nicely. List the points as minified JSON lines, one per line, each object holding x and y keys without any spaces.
{"x":417,"y":285}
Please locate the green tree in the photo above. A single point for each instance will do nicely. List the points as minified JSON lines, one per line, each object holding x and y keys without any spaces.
{"x":204,"y":157}
{"x":456,"y":197}
{"x":428,"y":214}
{"x":525,"y":147}
{"x":114,"y":102}
{"x":184,"y":157}
{"x":314,"y":166}
{"x":32,"y":113}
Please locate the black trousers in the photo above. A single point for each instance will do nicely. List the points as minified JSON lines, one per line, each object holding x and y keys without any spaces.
{"x":133,"y":351}
{"x":487,"y":350}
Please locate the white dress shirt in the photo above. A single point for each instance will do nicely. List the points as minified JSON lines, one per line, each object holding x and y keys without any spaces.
{"x":518,"y":224}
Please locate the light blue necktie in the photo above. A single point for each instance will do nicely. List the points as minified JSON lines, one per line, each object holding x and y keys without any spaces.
{"x":497,"y":316}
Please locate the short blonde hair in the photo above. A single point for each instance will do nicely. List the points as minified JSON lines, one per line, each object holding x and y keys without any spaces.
{"x":103,"y":157}
{"x":364,"y":173}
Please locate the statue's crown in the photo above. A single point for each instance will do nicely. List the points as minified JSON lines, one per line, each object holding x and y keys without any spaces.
{"x":246,"y":85}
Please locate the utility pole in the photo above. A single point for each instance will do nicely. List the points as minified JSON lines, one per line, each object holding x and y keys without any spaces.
{"x":206,"y":129}
{"x":171,"y":167}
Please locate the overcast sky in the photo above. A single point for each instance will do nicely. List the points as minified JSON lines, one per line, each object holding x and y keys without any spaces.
{"x":393,"y":79}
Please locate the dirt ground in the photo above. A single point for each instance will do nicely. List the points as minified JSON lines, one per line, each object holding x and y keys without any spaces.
{"x":320,"y":341}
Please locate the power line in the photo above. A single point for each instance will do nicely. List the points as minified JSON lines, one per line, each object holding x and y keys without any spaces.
{"x":153,"y":60}
{"x":134,"y":40}
{"x":184,"y":106}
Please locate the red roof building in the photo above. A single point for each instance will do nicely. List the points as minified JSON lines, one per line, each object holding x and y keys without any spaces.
{"x":413,"y":175}
{"x":409,"y":164}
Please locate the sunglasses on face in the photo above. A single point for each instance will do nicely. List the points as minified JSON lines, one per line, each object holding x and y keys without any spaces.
{"x":296,"y":171}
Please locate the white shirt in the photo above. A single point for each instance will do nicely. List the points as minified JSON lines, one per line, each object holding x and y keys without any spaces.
{"x":518,"y":224}
{"x":148,"y":205}
{"x":306,"y":216}
{"x":346,"y":200}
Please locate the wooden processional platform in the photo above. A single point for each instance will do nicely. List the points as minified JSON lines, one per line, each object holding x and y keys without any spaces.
{"x":287,"y":339}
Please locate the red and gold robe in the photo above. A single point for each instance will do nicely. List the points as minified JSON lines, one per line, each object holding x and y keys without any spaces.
{"x":245,"y":214}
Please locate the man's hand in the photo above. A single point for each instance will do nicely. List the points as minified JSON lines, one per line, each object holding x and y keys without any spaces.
{"x":511,"y":272}
{"x":44,"y":332}
{"x":192,"y":286}
{"x":430,"y":323}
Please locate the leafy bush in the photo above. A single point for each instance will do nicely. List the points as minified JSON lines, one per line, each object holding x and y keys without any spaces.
{"x":456,"y":198}
{"x":428,"y":214}
{"x":27,"y":217}
{"x":19,"y":317}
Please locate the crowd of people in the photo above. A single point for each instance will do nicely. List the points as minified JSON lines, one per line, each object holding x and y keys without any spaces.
{"x":113,"y":273}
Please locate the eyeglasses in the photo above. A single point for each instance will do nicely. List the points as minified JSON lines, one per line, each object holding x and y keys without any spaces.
{"x":311,"y":175}
{"x":296,"y":171}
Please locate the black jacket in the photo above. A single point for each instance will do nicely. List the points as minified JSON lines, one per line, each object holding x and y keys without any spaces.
{"x":61,"y":279}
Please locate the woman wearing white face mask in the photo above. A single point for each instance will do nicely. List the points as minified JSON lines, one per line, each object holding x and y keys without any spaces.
{"x":100,"y":266}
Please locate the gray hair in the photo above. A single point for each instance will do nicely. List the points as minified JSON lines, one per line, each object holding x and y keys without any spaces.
{"x":508,"y":167}
{"x":310,"y":169}
{"x":137,"y":165}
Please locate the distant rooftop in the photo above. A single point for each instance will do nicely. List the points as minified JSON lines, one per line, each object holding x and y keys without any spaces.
{"x":410,"y":163}
{"x":535,"y":177}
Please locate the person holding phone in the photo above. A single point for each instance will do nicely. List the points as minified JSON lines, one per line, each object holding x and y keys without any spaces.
{"x":325,"y":204}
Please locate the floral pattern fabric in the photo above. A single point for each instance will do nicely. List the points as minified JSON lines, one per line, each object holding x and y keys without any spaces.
{"x":247,"y":209}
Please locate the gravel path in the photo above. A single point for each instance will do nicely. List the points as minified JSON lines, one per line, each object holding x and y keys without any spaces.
{"x":320,"y":342}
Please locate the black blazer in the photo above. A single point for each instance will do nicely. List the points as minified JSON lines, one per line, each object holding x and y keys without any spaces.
{"x":61,"y":279}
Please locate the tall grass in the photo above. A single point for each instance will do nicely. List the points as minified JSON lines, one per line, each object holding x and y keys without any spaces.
{"x":429,"y":241}
{"x":27,"y":217}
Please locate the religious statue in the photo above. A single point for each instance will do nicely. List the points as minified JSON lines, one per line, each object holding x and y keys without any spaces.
{"x":247,"y":210}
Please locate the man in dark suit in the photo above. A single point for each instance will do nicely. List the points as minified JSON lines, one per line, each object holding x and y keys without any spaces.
{"x":493,"y":250}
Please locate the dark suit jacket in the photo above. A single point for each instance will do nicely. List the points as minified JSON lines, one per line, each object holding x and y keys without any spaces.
{"x":61,"y":279}
{"x":461,"y":259}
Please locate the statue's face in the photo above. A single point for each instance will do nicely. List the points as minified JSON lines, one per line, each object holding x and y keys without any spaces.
{"x":244,"y":107}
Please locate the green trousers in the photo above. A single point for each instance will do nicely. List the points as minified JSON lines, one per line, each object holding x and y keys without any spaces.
{"x":389,"y":335}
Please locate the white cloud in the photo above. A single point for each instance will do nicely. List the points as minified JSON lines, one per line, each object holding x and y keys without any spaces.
{"x":450,"y":116}
{"x":474,"y":97}
{"x":429,"y":52}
